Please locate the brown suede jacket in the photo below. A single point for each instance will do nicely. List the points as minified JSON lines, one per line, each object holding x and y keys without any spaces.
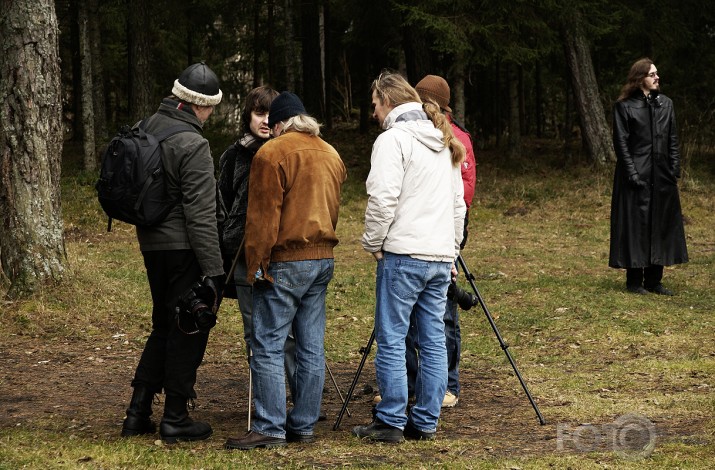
{"x":293,"y":201}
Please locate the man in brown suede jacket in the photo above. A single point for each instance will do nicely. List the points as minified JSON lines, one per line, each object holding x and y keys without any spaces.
{"x":293,"y":203}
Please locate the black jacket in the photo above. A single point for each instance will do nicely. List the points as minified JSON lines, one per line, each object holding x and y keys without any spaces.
{"x":234,"y":169}
{"x":646,"y":222}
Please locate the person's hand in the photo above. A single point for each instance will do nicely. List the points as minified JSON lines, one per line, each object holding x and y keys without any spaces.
{"x":217,"y":283}
{"x":377,"y":255}
{"x":454,"y":273}
{"x":636,"y":182}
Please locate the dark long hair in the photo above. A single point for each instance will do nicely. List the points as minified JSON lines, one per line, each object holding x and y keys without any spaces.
{"x":639,"y":70}
{"x":259,"y":100}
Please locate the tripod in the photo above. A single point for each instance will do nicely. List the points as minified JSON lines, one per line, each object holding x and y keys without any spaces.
{"x":505,"y":347}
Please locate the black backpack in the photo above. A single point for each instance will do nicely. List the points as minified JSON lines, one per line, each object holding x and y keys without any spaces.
{"x":131,"y":185}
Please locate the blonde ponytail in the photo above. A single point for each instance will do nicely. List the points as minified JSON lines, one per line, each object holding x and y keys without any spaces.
{"x":440,"y":121}
{"x":391,"y":87}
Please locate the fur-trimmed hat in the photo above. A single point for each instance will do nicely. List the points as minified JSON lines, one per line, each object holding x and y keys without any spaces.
{"x":436,"y":88}
{"x":285,"y":106}
{"x":198,"y":84}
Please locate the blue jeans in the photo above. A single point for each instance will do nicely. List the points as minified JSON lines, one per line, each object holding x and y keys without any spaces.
{"x":296,"y":298}
{"x":244,"y":292}
{"x":403,"y":284}
{"x":453,"y":338}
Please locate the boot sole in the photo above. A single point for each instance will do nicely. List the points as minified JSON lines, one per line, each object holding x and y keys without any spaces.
{"x":132,"y":432}
{"x":249,"y":447}
{"x":175,"y":439}
{"x":390,"y":440}
{"x":378,"y":438}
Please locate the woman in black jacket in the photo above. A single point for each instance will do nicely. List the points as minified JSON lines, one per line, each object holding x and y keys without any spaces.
{"x":646,"y":220}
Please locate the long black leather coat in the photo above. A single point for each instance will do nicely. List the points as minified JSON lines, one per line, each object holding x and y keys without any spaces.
{"x":646,"y":223}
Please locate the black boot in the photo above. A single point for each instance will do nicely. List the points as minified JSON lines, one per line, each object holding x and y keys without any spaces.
{"x":176,"y":424}
{"x":137,"y":421}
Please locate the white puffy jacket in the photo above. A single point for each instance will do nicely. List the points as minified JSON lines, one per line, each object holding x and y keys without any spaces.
{"x":415,"y":195}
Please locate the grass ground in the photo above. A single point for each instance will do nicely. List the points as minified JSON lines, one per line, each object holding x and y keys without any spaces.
{"x":605,"y":367}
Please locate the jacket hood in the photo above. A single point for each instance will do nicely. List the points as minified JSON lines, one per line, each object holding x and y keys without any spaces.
{"x":411,"y":118}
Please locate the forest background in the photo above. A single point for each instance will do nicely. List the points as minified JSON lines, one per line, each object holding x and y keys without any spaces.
{"x":75,"y":71}
{"x":534,"y":81}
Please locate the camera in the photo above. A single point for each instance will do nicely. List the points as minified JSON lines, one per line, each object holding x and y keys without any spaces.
{"x":193,"y":309}
{"x":464,"y":299}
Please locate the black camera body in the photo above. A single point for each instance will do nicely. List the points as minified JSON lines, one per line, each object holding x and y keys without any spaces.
{"x":194,"y":309}
{"x":464,"y":299}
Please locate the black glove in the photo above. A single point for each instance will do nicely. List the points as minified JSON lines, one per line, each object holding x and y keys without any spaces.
{"x":635,"y":182}
{"x":217,"y":284}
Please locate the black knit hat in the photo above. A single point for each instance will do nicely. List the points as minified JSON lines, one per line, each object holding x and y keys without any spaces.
{"x":198,"y":84}
{"x":285,"y":106}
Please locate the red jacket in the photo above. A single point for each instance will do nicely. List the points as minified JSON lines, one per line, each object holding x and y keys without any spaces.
{"x":469,"y":165}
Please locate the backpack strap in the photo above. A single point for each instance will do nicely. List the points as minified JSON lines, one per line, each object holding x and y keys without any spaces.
{"x":161,"y":136}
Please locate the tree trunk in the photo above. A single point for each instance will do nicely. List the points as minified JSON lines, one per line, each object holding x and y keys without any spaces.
{"x":539,"y":100}
{"x":87,"y":98}
{"x":31,"y":244}
{"x":270,"y":43}
{"x":290,"y":53}
{"x":496,"y":102}
{"x":76,"y":103}
{"x":329,"y":65}
{"x":457,"y":91}
{"x":311,"y":55}
{"x":98,"y":95}
{"x":418,"y":61}
{"x":594,"y":127}
{"x":257,"y":46}
{"x":139,"y":41}
{"x":514,"y":142}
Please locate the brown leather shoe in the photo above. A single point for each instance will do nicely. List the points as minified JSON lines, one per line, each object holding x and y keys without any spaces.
{"x":252,"y":440}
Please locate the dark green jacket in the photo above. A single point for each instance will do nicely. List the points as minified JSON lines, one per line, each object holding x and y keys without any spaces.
{"x":189,"y":173}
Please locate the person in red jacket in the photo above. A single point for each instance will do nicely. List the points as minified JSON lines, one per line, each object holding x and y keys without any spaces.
{"x":435,"y":88}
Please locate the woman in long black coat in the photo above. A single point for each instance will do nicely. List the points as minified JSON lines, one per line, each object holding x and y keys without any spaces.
{"x":646,"y":220}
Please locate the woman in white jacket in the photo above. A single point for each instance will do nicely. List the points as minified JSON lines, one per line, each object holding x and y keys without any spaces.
{"x":413,"y":228}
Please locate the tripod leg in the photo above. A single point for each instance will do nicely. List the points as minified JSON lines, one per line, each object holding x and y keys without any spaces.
{"x":335,"y":384}
{"x":365,"y":353}
{"x":505,"y":347}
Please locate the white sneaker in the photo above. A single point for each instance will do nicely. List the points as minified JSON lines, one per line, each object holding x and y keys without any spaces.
{"x":450,"y":400}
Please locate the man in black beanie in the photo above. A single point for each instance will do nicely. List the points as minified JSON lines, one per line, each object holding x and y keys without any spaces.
{"x":178,"y":252}
{"x":293,"y":203}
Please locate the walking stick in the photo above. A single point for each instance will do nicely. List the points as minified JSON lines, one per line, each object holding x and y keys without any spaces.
{"x":365,"y":351}
{"x":229,"y":275}
{"x":505,"y":347}
{"x":250,"y":390}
